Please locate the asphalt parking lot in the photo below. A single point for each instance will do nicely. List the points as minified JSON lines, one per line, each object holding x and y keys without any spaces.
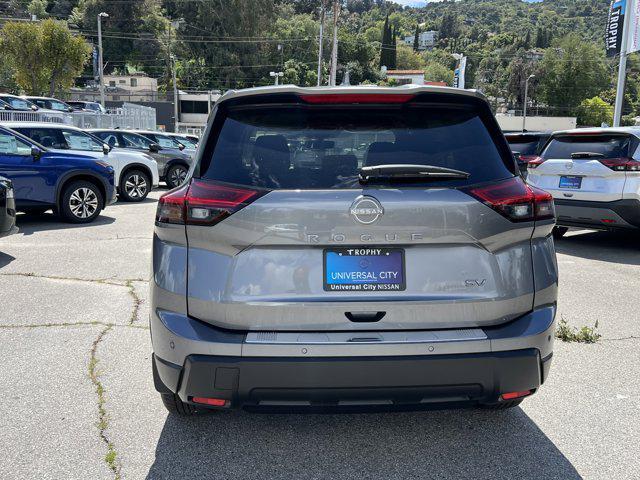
{"x":78,"y":399}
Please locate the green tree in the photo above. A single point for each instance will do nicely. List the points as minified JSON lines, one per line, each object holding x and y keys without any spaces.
{"x":394,"y":50}
{"x":298,"y":73}
{"x":408,"y":59}
{"x":64,"y":55}
{"x":20,"y":49}
{"x":573,"y":70}
{"x":38,"y":8}
{"x":135,"y":33}
{"x":435,"y":72}
{"x":416,"y":38}
{"x":385,"y":48}
{"x":43,"y":56}
{"x":593,"y":112}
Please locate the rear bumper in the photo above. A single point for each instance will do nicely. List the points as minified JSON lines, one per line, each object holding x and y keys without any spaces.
{"x":620,"y":214}
{"x":223,"y":364}
{"x":354,"y":381}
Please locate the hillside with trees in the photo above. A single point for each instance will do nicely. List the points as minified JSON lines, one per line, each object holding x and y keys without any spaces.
{"x":236,"y":43}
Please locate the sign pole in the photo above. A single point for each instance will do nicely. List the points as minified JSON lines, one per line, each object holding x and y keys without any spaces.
{"x":622,"y":68}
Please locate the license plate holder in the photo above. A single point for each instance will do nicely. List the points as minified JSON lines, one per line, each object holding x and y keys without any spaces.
{"x":363,"y":269}
{"x":572,"y":182}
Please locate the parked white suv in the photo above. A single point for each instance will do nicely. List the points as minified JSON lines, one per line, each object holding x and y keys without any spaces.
{"x":135,"y":173}
{"x":594,"y":177}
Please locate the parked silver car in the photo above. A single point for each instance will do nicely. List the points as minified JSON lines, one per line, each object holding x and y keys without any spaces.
{"x":173,"y":164}
{"x":169,"y":140}
{"x":419,"y":269}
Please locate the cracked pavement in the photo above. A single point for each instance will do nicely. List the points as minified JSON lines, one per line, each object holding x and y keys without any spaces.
{"x":78,"y":398}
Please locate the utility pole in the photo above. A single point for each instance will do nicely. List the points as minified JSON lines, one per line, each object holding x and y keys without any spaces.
{"x":101,"y":15}
{"x":334,"y":51}
{"x":175,"y":24}
{"x":526,"y":94}
{"x":176,"y":112}
{"x":320,"y":43}
{"x":622,"y":68}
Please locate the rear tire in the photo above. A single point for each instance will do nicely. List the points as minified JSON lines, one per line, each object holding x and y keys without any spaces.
{"x":134,"y":186}
{"x":174,"y":405}
{"x":176,"y":175}
{"x":503,"y":405}
{"x":558,"y":232}
{"x":81,"y":202}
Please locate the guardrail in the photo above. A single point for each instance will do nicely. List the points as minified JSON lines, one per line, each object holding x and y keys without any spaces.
{"x":129,"y":116}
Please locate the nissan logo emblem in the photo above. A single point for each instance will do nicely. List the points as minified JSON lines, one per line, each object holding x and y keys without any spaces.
{"x":366,"y":210}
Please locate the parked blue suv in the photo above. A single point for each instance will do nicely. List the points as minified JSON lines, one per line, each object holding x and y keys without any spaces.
{"x":76,"y":187}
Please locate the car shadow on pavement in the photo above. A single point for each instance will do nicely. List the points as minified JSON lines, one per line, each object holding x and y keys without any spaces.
{"x":613,"y":247}
{"x":29,"y":224}
{"x":5,"y":259}
{"x":141,"y":202}
{"x":469,"y":443}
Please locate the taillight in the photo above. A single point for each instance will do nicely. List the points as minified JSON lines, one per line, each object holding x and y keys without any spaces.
{"x":171,"y":205}
{"x":621,"y":164}
{"x":532,"y":161}
{"x":335,"y":98}
{"x":516,"y":200}
{"x":203,"y":203}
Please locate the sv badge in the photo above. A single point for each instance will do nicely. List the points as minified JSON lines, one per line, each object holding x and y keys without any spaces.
{"x":475,"y":283}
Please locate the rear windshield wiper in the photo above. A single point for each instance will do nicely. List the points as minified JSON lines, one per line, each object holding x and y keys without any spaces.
{"x":409,"y":172}
{"x":586,"y":155}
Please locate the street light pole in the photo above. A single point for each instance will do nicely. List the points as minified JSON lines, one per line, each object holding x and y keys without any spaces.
{"x":526,"y":94}
{"x":276,"y":75}
{"x":320,"y":43}
{"x":101,"y":15}
{"x":176,"y":112}
{"x":334,"y":51}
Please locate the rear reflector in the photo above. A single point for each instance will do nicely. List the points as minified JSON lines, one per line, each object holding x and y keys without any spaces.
{"x":516,"y":200}
{"x":335,"y":98}
{"x":514,"y":395}
{"x":203,"y":203}
{"x":213,"y":402}
{"x":621,"y":164}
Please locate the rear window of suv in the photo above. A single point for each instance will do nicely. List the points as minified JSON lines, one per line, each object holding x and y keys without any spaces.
{"x":610,"y":146}
{"x":524,"y":144}
{"x":323,"y":147}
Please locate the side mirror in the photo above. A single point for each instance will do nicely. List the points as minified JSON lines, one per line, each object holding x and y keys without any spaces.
{"x":36,"y":153}
{"x":106,"y":149}
{"x":34,"y":107}
{"x":181,"y":146}
{"x":154,"y":148}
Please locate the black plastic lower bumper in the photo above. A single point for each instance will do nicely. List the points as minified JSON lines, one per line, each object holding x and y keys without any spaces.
{"x":258,"y":382}
{"x":593,"y":213}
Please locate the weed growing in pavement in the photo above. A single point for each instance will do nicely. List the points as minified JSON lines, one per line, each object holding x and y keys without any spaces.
{"x":103,"y":420}
{"x":585,"y":334}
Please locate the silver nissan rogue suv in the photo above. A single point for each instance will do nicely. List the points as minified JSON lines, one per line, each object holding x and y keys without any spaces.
{"x":349,"y":247}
